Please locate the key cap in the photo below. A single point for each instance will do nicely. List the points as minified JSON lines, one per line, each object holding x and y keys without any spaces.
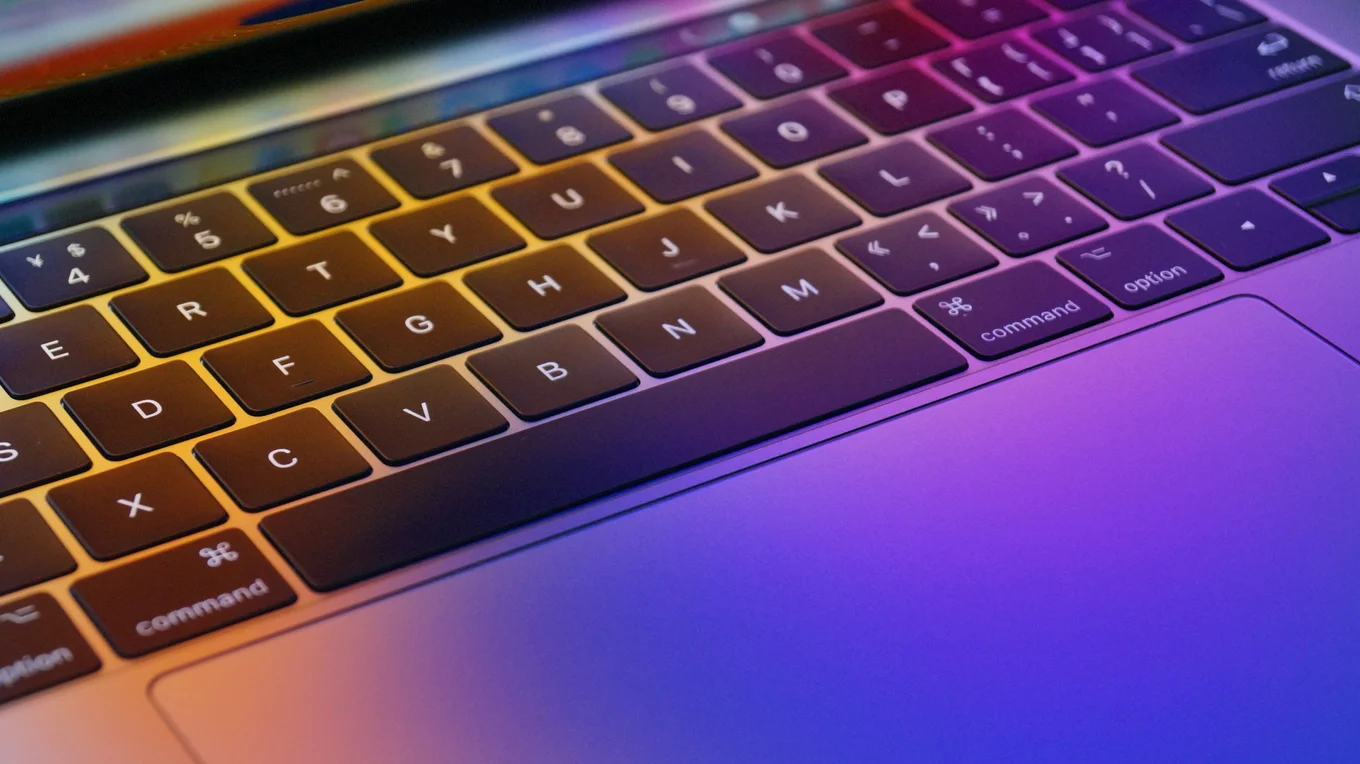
{"x":190,"y":312}
{"x":971,"y":19}
{"x":68,"y":268}
{"x":667,"y":249}
{"x":1311,"y":187}
{"x":1002,"y":144}
{"x":1003,"y":71}
{"x":899,"y":101}
{"x":419,"y":415}
{"x":793,"y":132}
{"x":136,"y":506}
{"x":682,"y":166}
{"x":29,"y":549}
{"x":59,"y":350}
{"x":917,"y":253}
{"x":879,"y":38}
{"x":281,"y":459}
{"x":323,"y":196}
{"x":446,"y":236}
{"x":1247,"y":229}
{"x":777,"y":66}
{"x":1342,"y":214}
{"x":35,"y":449}
{"x":782,"y":213}
{"x":1028,"y":216}
{"x":443,"y":162}
{"x":566,"y":201}
{"x":551,"y":372}
{"x":6,"y":314}
{"x":146,"y":410}
{"x":420,"y":325}
{"x":1139,"y":266}
{"x":501,"y":484}
{"x":678,"y":331}
{"x":800,"y":291}
{"x":39,"y":647}
{"x":182,"y":593}
{"x":543,"y":287}
{"x":1135,"y":181}
{"x":894,"y":178}
{"x":559,"y":129}
{"x":321,"y":273}
{"x":1193,"y":22}
{"x":284,"y":367}
{"x":670,"y":98}
{"x":193,"y":232}
{"x":1101,"y":42}
{"x":1105,"y":112}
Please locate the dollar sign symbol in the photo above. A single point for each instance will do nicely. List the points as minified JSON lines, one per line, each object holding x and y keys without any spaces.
{"x":76,"y":250}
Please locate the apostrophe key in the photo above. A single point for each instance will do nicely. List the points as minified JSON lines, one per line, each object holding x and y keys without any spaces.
{"x":420,"y":325}
{"x":51,"y":352}
{"x":670,"y":98}
{"x":879,"y":38}
{"x":197,"y":231}
{"x":30,"y":551}
{"x":799,"y":291}
{"x":1002,"y":144}
{"x":678,"y":331}
{"x":562,"y":202}
{"x":793,"y":132}
{"x":1101,"y":113}
{"x":321,"y":197}
{"x":899,"y":101}
{"x":779,"y":65}
{"x":443,"y":162}
{"x":894,"y":178}
{"x":284,"y":367}
{"x":541,"y":288}
{"x":972,"y":19}
{"x":559,"y":129}
{"x":667,"y":249}
{"x":39,"y":647}
{"x":446,"y":236}
{"x":1003,"y":71}
{"x":913,"y":254}
{"x":681,"y":166}
{"x":190,"y":312}
{"x":550,"y":372}
{"x":321,"y":273}
{"x":68,"y":268}
{"x":782,"y":213}
{"x":35,"y":449}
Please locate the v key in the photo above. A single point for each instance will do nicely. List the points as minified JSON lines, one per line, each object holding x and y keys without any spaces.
{"x":424,"y":414}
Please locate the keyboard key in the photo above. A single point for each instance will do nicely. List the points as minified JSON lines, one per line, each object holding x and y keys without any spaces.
{"x":136,"y":506}
{"x":68,"y":268}
{"x":190,"y":312}
{"x":799,"y":291}
{"x":182,"y":593}
{"x":1105,"y":112}
{"x":446,"y":236}
{"x":35,"y":449}
{"x":281,"y":459}
{"x":146,"y":410}
{"x":566,"y":201}
{"x":1247,"y":229}
{"x":899,"y":101}
{"x":543,"y":287}
{"x":660,"y":251}
{"x":285,"y":367}
{"x":782,"y":213}
{"x":678,"y":331}
{"x":419,"y":415}
{"x":1101,"y":42}
{"x":1342,"y":214}
{"x":323,"y":196}
{"x":420,"y":325}
{"x":683,"y":166}
{"x":894,"y":178}
{"x":443,"y":162}
{"x":197,"y":231}
{"x":879,"y":38}
{"x":1028,"y":216}
{"x":1004,"y":71}
{"x":51,"y":352}
{"x":1311,"y":187}
{"x":670,"y":98}
{"x":551,"y":372}
{"x":1193,"y":22}
{"x":793,"y":132}
{"x":559,"y":129}
{"x":972,"y":19}
{"x":1002,"y":144}
{"x":1135,"y":181}
{"x":6,"y":313}
{"x":916,"y":253}
{"x":39,"y":647}
{"x":29,"y":549}
{"x":1139,"y":266}
{"x":501,"y":484}
{"x":321,"y":273}
{"x":780,"y":65}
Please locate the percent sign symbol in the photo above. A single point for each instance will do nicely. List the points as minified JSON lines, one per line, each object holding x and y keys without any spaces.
{"x":188,"y":219}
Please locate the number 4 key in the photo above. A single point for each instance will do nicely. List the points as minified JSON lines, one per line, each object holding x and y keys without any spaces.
{"x":68,"y":268}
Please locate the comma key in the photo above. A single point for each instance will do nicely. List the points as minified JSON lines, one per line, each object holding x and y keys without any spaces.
{"x":39,"y":647}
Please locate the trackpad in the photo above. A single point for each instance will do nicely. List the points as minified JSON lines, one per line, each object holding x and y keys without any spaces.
{"x":1146,"y":552}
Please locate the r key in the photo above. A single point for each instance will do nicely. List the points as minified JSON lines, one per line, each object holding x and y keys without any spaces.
{"x":190,"y":312}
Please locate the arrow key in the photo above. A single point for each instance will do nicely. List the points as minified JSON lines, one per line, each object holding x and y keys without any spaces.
{"x":1324,"y":182}
{"x":916,"y":253}
{"x":1247,"y":229}
{"x":1027,"y":217}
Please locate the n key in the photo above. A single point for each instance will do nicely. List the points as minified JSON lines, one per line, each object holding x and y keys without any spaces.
{"x":59,"y":350}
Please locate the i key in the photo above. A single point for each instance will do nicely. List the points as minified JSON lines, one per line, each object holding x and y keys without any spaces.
{"x":678,"y":331}
{"x":68,"y":268}
{"x":190,"y":312}
{"x":420,"y":325}
{"x":35,"y":449}
{"x":321,"y":197}
{"x":666,"y":249}
{"x":446,"y":236}
{"x":559,"y":129}
{"x":551,"y":372}
{"x":563,"y":202}
{"x":670,"y":98}
{"x":59,"y":350}
{"x":284,"y":367}
{"x":197,"y":231}
{"x":543,"y":287}
{"x":321,"y":273}
{"x":779,"y":65}
{"x":681,"y":166}
{"x":443,"y":162}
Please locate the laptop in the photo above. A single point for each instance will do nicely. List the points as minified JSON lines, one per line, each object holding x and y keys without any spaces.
{"x":653,"y":381}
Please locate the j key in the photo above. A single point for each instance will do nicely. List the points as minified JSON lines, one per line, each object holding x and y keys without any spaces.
{"x":1012,"y":310}
{"x":147,"y":409}
{"x":559,"y":129}
{"x":136,"y":507}
{"x":793,"y":132}
{"x":782,"y":213}
{"x":666,"y":249}
{"x":1027,"y":217}
{"x":68,"y":268}
{"x":1193,"y":22}
{"x":879,"y":38}
{"x":670,"y":98}
{"x":321,"y":273}
{"x":1002,"y":144}
{"x":682,"y":166}
{"x":1139,"y":266}
{"x":1316,"y":185}
{"x":40,"y":647}
{"x":284,"y":367}
{"x":182,"y":593}
{"x":899,"y":101}
{"x":35,"y":449}
{"x":973,"y":19}
{"x":563,"y":202}
{"x":1105,"y":112}
{"x":30,"y":551}
{"x":1210,"y":79}
{"x":445,"y":236}
{"x":551,"y":372}
{"x":1004,"y":71}
{"x":190,"y":312}
{"x":444,"y":162}
{"x":1247,"y":229}
{"x":895,"y":178}
{"x":322,"y":197}
{"x":678,"y":331}
{"x":543,"y":287}
{"x":916,"y":253}
{"x":1342,"y":214}
{"x":51,"y":352}
{"x":779,"y":65}
{"x":799,"y":291}
{"x":198,"y":231}
{"x":1135,"y":181}
{"x":418,"y":415}
{"x":417,"y":326}
{"x":1100,"y":42}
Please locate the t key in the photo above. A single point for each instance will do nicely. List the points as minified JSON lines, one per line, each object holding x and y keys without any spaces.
{"x":321,"y":273}
{"x":68,"y":268}
{"x":323,"y":196}
{"x":59,"y":350}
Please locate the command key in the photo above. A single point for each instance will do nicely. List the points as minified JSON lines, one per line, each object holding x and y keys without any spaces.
{"x":39,"y":647}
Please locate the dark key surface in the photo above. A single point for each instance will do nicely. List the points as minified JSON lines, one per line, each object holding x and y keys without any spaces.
{"x":39,"y":647}
{"x":879,"y":38}
{"x":136,"y":506}
{"x":1100,"y":42}
{"x":1247,"y":229}
{"x":1342,"y":214}
{"x":282,"y":459}
{"x":660,"y":251}
{"x":797,"y":292}
{"x":29,"y":550}
{"x":321,"y":273}
{"x":1072,"y":5}
{"x":1105,"y":112}
{"x":894,"y":178}
{"x":284,"y":367}
{"x":1308,"y":188}
{"x":1139,"y":266}
{"x":779,"y":65}
{"x":899,"y":101}
{"x":190,"y":312}
{"x":444,"y":162}
{"x":682,"y":166}
{"x":197,"y":231}
{"x":551,"y":372}
{"x":559,"y":129}
{"x":678,"y":331}
{"x":1195,"y":21}
{"x":182,"y":593}
{"x":414,"y":327}
{"x":68,"y":268}
{"x":793,"y":132}
{"x":1003,"y":71}
{"x":670,"y":98}
{"x":350,"y":536}
{"x":543,"y":287}
{"x":565,"y":201}
{"x":1135,"y":181}
{"x":445,"y":236}
{"x":35,"y":449}
{"x":917,"y":253}
{"x":1002,"y":144}
{"x":1028,"y":216}
{"x":782,"y":213}
{"x":6,"y":313}
{"x":1013,"y":309}
{"x":972,"y":19}
{"x":418,"y":415}
{"x":323,"y":196}
{"x":59,"y":350}
{"x":146,"y":410}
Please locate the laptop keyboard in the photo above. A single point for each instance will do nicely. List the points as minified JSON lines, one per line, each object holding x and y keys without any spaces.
{"x":428,"y":341}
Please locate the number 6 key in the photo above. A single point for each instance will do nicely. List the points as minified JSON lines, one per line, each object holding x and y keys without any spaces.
{"x":322,"y":196}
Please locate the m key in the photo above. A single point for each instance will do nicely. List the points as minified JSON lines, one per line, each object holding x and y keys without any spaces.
{"x":799,"y":291}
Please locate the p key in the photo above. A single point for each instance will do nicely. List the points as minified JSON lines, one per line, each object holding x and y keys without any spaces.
{"x":323,"y":196}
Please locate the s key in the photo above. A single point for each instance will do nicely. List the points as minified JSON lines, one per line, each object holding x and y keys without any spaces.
{"x":322,"y":197}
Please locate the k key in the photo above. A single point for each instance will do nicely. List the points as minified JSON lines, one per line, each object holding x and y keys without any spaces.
{"x":190,"y":312}
{"x":443,"y":162}
{"x":68,"y":268}
{"x":783,"y":213}
{"x":323,"y":196}
{"x":566,"y":201}
{"x":58,"y":350}
{"x":284,"y":367}
{"x":198,"y":231}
